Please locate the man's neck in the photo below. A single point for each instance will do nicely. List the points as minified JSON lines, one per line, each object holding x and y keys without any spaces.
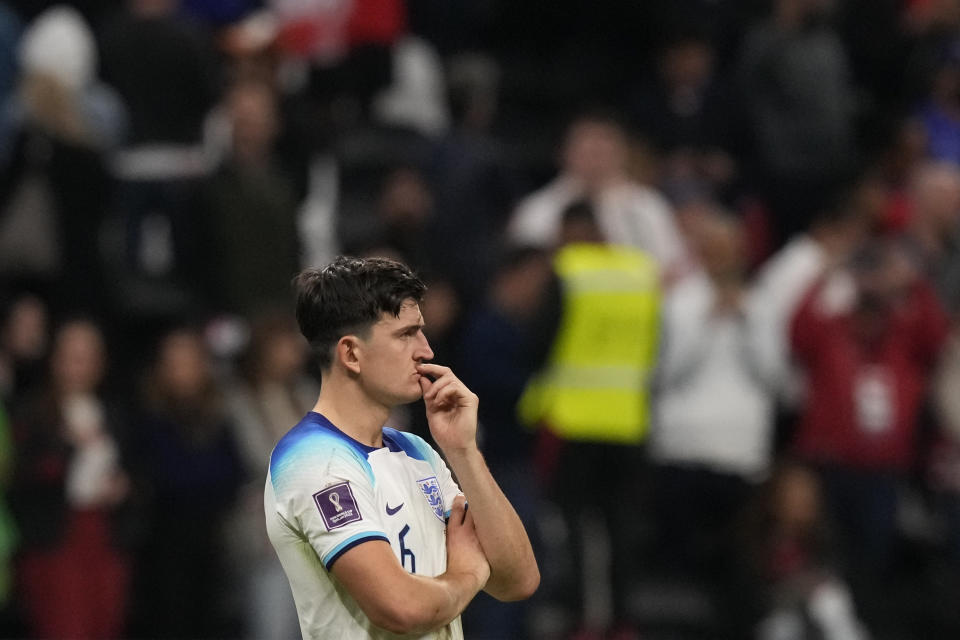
{"x":351,"y":411}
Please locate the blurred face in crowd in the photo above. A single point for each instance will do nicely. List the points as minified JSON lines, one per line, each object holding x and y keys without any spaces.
{"x":596,"y":152}
{"x":883,"y":277}
{"x":687,"y":64}
{"x":25,"y":332}
{"x":716,"y":238}
{"x":946,"y":82}
{"x":440,"y":308}
{"x":78,"y":359}
{"x":183,"y":366}
{"x":517,"y":290}
{"x":253,"y":116}
{"x":804,"y":12}
{"x":936,"y":196}
{"x":285,"y":355}
{"x":721,"y":246}
{"x":406,"y":200}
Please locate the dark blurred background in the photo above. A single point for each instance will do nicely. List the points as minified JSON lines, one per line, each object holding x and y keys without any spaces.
{"x":787,"y":170}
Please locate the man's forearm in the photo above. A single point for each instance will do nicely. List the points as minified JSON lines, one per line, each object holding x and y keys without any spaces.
{"x":402,"y":602}
{"x":439,"y":600}
{"x":513,"y":568}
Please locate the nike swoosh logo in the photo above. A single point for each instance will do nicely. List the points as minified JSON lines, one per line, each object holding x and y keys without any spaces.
{"x":393,"y":510}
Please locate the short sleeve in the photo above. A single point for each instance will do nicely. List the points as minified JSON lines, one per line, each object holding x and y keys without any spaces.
{"x":327,"y":494}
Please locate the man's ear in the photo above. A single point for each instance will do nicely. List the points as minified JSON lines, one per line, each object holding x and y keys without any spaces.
{"x":346,"y":353}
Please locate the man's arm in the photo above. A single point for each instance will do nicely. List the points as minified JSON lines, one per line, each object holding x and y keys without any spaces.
{"x":452,"y":416}
{"x":402,"y":602}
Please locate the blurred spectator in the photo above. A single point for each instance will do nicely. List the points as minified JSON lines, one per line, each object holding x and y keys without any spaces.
{"x":931,"y":27}
{"x":939,"y":113}
{"x":933,"y":231}
{"x":190,"y":466}
{"x":167,"y":76}
{"x":591,"y":401}
{"x":271,"y":393}
{"x":496,"y":352}
{"x":496,"y":361}
{"x":23,"y":347}
{"x":168,"y":93}
{"x":868,"y":362}
{"x":687,"y":114}
{"x":878,"y":45}
{"x":595,"y":167}
{"x":405,"y":209}
{"x":782,"y":282}
{"x":398,"y":220}
{"x":473,"y":177}
{"x":250,"y":207}
{"x":790,"y":562}
{"x":799,"y":103}
{"x":53,"y":188}
{"x":415,"y":98}
{"x":339,"y":52}
{"x":714,"y":412}
{"x":67,"y":486}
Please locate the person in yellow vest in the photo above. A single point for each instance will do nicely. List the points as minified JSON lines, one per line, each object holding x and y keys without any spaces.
{"x":590,"y":402}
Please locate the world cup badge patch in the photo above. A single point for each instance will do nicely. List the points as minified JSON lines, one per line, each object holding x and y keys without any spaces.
{"x":431,"y":491}
{"x":337,"y":506}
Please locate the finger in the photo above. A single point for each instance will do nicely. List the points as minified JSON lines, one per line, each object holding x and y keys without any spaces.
{"x":448,"y":396}
{"x":457,"y":510}
{"x":434,"y":370}
{"x":436,"y":387}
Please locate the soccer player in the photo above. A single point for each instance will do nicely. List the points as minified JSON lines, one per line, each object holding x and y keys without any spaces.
{"x":374,"y":534}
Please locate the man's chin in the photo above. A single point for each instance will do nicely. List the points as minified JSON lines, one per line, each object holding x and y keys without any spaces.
{"x":412,"y":396}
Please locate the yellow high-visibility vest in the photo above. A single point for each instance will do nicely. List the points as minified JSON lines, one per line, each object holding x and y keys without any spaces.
{"x":595,"y":384}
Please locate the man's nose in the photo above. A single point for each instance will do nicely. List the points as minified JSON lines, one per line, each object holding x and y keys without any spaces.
{"x":423,"y":353}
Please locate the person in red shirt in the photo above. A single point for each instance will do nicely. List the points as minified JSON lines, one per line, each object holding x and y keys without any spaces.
{"x":868,"y":353}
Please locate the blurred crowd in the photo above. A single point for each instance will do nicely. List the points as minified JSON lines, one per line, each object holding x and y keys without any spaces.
{"x":700,"y":259}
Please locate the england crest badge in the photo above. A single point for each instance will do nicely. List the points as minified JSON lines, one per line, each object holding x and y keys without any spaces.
{"x":431,"y":491}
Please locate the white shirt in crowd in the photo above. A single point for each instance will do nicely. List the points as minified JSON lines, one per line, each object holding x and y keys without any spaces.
{"x":628,"y":214}
{"x":714,"y":400}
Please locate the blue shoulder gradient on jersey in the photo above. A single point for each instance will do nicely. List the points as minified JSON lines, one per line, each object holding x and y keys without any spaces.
{"x":308,"y":446}
{"x":415,"y":447}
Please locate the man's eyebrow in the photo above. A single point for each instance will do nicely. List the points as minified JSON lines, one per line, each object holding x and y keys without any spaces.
{"x":410,"y":327}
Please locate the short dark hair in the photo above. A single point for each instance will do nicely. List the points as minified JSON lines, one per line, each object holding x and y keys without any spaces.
{"x":348,"y":296}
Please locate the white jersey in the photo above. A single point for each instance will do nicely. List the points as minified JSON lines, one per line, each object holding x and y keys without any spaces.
{"x":327,"y":493}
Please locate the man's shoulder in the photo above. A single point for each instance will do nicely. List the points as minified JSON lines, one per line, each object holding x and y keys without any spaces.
{"x":311,"y":446}
{"x":410,"y":443}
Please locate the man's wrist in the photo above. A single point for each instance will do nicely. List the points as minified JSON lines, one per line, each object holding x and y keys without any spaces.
{"x":464,"y":453}
{"x":473,"y":581}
